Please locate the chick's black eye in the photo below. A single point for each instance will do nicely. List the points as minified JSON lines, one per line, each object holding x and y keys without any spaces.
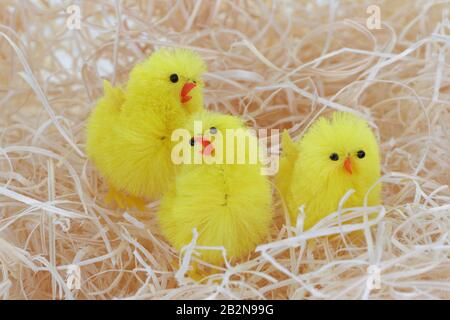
{"x":213,"y":130}
{"x":361,"y":154}
{"x":192,"y":142}
{"x":334,"y":157}
{"x":174,"y":78}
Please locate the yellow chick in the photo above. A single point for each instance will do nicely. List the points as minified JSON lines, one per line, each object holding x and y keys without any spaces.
{"x":128,"y":132}
{"x":333,"y":157}
{"x":226,"y":198}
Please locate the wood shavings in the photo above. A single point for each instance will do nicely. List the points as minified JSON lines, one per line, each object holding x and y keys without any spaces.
{"x":279,"y":64}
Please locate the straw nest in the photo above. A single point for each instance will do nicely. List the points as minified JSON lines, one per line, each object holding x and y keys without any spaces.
{"x":278,"y":64}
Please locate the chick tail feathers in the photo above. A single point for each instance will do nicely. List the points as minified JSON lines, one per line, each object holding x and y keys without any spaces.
{"x":288,"y":145}
{"x":288,"y":159}
{"x":102,"y":121}
{"x":113,"y":96}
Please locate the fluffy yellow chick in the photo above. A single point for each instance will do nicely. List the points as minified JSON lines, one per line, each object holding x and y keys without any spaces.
{"x":333,"y":157}
{"x":228,"y":203}
{"x":128,"y":132}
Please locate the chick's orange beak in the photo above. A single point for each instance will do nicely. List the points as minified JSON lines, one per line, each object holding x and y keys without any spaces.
{"x":188,"y":86}
{"x":348,"y":165}
{"x":207,"y":146}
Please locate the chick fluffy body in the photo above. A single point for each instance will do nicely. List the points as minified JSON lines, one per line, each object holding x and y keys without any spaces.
{"x":228,"y":204}
{"x":128,"y":132}
{"x":308,"y":176}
